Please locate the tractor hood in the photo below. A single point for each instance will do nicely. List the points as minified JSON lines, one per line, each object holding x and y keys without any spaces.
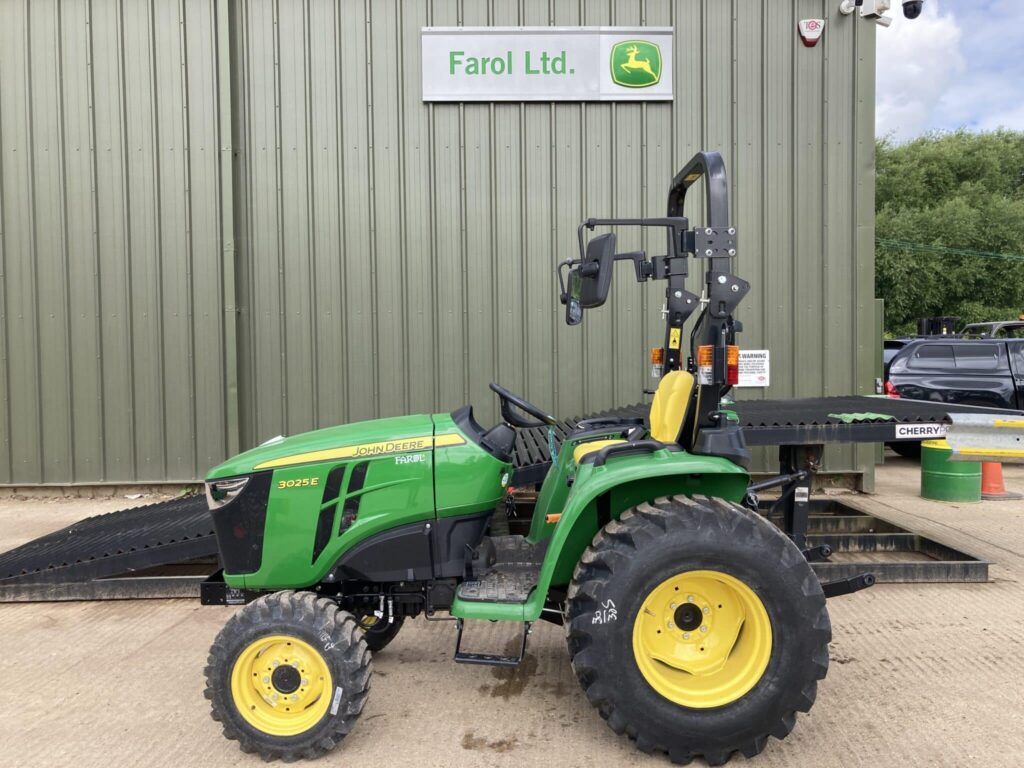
{"x":362,"y":438}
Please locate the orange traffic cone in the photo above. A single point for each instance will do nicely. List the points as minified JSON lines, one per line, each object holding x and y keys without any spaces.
{"x":992,"y":486}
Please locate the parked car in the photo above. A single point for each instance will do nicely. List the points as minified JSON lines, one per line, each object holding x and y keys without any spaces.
{"x":1006,"y":329}
{"x":985,"y":372}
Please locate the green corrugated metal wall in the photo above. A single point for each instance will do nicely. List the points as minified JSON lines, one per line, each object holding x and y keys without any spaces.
{"x":385,"y":255}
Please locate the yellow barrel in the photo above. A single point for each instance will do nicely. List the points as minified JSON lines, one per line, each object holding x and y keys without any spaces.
{"x":945,"y":480}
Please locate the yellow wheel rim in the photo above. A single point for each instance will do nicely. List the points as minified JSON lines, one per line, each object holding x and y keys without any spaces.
{"x":702,"y":639}
{"x":281,"y":685}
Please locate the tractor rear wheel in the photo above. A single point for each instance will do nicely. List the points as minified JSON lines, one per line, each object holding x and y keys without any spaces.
{"x":288,"y":676}
{"x":697,"y":628}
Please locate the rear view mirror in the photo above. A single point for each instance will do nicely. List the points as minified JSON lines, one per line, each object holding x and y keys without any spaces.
{"x":596,"y":271}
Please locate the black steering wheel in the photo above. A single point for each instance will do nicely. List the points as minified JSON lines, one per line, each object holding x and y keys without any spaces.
{"x":511,"y":417}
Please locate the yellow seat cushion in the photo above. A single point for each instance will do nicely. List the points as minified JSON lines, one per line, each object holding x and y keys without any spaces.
{"x":668,"y":411}
{"x":671,"y":402}
{"x":583,"y":449}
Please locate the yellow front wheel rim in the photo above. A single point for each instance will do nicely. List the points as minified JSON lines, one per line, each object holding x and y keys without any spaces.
{"x":281,"y":685}
{"x":702,"y":639}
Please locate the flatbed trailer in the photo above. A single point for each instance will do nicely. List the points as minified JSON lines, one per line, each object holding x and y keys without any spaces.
{"x":801,"y":429}
{"x":800,"y":422}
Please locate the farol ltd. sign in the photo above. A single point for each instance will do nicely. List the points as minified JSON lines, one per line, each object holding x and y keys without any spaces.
{"x":547,"y":63}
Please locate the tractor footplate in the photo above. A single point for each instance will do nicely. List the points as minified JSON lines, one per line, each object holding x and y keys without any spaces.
{"x":494,"y":660}
{"x":513,"y":575}
{"x":500,"y":586}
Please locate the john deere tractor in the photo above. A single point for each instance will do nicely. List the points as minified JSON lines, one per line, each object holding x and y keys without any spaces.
{"x":695,"y":626}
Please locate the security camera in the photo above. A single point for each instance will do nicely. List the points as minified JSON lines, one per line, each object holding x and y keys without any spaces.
{"x":912,"y":8}
{"x":872,"y":9}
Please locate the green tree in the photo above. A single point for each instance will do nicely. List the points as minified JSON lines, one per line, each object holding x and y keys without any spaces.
{"x":962,"y":191}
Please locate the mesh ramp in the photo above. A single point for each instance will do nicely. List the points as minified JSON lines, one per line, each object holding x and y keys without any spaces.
{"x":79,"y":561}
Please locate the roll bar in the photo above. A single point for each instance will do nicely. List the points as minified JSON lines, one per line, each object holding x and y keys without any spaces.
{"x":716,"y":243}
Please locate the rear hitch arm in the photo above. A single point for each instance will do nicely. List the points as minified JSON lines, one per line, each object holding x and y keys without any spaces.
{"x":817,"y":554}
{"x":848,"y":586}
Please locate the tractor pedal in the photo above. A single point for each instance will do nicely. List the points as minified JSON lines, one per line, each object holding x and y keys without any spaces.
{"x":817,"y":554}
{"x":490,"y":659}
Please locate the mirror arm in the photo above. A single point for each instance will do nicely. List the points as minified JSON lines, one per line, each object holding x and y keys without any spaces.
{"x":563,"y":294}
{"x":644,"y":268}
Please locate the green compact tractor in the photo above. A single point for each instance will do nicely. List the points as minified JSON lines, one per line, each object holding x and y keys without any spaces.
{"x":694,"y":625}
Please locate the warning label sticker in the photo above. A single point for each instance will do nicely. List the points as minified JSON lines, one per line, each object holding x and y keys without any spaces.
{"x":755,"y":368}
{"x":920,"y":431}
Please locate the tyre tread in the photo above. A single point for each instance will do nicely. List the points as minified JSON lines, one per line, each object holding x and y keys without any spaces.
{"x":621,"y":539}
{"x":288,"y":607}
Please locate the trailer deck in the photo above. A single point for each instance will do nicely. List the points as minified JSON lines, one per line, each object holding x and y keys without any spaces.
{"x":802,"y":422}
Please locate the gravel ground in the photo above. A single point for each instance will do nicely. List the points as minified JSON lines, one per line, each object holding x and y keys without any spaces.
{"x":921,"y":674}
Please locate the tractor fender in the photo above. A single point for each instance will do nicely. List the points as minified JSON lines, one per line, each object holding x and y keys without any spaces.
{"x":600,"y":494}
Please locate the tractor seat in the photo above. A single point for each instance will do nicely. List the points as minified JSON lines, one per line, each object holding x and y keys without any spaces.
{"x":668,"y":412}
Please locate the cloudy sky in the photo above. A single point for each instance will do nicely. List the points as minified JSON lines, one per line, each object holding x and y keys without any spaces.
{"x":961,"y":64}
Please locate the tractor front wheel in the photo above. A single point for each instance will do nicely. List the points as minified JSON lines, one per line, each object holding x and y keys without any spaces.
{"x":697,"y":628}
{"x":288,"y":676}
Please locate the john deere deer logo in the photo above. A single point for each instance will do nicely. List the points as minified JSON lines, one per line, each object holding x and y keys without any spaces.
{"x":636,"y":63}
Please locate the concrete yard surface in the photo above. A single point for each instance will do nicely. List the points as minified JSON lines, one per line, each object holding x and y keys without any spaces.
{"x":921,"y":674}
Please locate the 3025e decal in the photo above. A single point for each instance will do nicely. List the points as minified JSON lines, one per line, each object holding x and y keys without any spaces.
{"x":302,"y":482}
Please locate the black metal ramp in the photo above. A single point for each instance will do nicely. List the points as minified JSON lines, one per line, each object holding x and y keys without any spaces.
{"x":863,"y":542}
{"x":77,"y":562}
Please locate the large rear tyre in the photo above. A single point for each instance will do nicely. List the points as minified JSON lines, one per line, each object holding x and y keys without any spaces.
{"x":288,"y":676}
{"x":697,"y":628}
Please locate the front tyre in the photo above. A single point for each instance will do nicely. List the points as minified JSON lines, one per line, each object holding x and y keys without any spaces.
{"x":288,"y":676}
{"x":697,"y":628}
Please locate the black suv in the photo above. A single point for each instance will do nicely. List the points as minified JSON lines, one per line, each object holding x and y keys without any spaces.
{"x":968,"y":371}
{"x":952,"y":370}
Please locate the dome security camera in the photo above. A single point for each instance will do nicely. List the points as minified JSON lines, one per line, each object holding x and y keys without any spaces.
{"x":912,"y":8}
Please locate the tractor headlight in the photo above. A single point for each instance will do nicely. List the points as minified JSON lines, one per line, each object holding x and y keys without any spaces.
{"x":221,"y":492}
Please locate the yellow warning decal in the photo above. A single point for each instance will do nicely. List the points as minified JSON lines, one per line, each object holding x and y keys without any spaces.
{"x":1009,"y":423}
{"x":693,"y":176}
{"x":674,"y":338}
{"x":367,"y":450}
{"x":444,"y":441}
{"x":1006,"y":453}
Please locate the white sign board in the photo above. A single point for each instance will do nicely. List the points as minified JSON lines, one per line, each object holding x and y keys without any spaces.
{"x":755,"y":368}
{"x":920,"y":431}
{"x":547,"y":63}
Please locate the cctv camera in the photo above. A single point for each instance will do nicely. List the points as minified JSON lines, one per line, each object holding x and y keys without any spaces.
{"x":912,"y":8}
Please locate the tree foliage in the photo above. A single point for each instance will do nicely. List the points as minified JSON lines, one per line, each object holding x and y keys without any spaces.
{"x":953,"y":190}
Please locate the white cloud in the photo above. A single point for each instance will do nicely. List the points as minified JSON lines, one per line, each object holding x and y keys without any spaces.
{"x":1011,"y":117}
{"x":918,"y":62}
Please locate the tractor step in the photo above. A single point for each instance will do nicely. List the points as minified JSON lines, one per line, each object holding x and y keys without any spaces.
{"x":499,"y":587}
{"x":490,"y":659}
{"x":512,"y":576}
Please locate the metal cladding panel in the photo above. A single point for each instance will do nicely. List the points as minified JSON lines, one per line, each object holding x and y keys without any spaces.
{"x":451,"y":217}
{"x":111,"y":242}
{"x":389,"y":256}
